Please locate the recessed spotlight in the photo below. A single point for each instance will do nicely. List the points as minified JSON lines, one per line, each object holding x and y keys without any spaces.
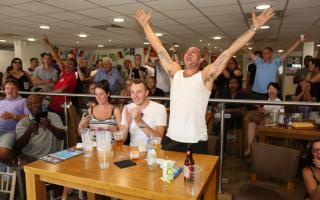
{"x":44,"y":27}
{"x":31,"y":39}
{"x":318,"y":45}
{"x":217,"y":37}
{"x":100,"y":45}
{"x":247,"y":44}
{"x":234,"y":56}
{"x":200,"y":40}
{"x":3,"y":40}
{"x":209,"y":44}
{"x":280,"y":50}
{"x":215,"y":47}
{"x":264,"y":27}
{"x":176,"y":45}
{"x":263,"y":7}
{"x":109,"y":40}
{"x":250,"y":48}
{"x":82,"y":35}
{"x":146,"y":43}
{"x":159,"y":34}
{"x":77,"y":42}
{"x":118,"y":19}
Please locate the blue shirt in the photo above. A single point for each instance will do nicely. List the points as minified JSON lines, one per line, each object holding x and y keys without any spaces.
{"x":114,"y":78}
{"x":265,"y":73}
{"x":16,"y":106}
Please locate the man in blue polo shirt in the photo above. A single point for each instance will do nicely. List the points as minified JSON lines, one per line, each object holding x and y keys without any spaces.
{"x":267,"y":68}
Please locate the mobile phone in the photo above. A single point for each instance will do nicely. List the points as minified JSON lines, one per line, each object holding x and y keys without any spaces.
{"x":85,"y":113}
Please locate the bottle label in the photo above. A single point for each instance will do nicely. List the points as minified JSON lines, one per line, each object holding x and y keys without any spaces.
{"x":187,"y":171}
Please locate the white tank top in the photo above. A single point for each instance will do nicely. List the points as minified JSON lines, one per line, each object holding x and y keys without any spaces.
{"x":188,"y":104}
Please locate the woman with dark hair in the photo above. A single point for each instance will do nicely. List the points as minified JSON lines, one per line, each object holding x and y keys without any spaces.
{"x":311,"y":173}
{"x":103,"y":116}
{"x":257,"y":116}
{"x":15,"y":71}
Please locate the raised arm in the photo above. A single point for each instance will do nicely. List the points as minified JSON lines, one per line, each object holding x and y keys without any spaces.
{"x":291,"y":49}
{"x":146,"y":59}
{"x":167,"y":63}
{"x":212,"y":71}
{"x":250,"y":54}
{"x":54,"y":53}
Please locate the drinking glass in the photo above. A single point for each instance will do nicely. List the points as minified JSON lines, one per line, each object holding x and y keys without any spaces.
{"x":193,"y":183}
{"x":87,"y":140}
{"x":104,"y":148}
{"x":118,"y":137}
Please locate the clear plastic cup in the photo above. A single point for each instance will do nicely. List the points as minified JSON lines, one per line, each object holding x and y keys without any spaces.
{"x":193,"y":183}
{"x":104,"y":148}
{"x":87,"y":140}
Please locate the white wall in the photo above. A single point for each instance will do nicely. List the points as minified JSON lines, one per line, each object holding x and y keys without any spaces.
{"x":5,"y":59}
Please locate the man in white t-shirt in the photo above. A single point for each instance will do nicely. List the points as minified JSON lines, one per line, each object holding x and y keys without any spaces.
{"x":143,"y":117}
{"x":190,"y":87}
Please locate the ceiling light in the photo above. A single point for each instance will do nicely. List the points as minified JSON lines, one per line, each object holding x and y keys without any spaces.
{"x":31,"y":39}
{"x":44,"y":27}
{"x":3,"y":40}
{"x":234,"y":56}
{"x":82,"y":35}
{"x":263,"y":7}
{"x":280,"y":50}
{"x":217,"y":37}
{"x":159,"y":34}
{"x":247,"y":44}
{"x":118,"y":19}
{"x":264,"y":27}
{"x":200,"y":40}
{"x":109,"y":40}
{"x":215,"y":47}
{"x":209,"y":44}
{"x":146,"y":43}
{"x":318,"y":45}
{"x":250,"y":48}
{"x":176,"y":45}
{"x":100,"y":45}
{"x":77,"y":42}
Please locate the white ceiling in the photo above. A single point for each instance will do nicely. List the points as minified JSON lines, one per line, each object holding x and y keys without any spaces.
{"x":182,"y":21}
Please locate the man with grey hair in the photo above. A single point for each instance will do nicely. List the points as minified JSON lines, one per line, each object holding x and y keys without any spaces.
{"x":114,"y":78}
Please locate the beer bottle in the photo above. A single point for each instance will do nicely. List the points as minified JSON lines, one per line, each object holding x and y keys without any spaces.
{"x":188,"y":164}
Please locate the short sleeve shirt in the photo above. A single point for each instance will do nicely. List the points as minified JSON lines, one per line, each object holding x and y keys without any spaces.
{"x":50,"y":74}
{"x":43,"y":141}
{"x":114,"y":78}
{"x":154,"y":114}
{"x":265,"y":73}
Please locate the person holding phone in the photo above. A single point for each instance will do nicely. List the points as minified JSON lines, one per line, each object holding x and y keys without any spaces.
{"x":311,"y":173}
{"x":104,"y":115}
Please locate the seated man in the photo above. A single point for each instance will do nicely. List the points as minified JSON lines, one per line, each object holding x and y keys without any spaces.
{"x":39,"y":133}
{"x":143,"y":117}
{"x":154,"y":91}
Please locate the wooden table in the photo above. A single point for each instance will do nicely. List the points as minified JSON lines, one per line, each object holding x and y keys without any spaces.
{"x":264,"y":132}
{"x":136,"y":182}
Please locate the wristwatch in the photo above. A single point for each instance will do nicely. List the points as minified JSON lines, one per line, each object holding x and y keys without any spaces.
{"x":253,"y":28}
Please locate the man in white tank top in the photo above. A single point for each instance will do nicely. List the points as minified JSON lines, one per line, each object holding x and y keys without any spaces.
{"x":191,"y":88}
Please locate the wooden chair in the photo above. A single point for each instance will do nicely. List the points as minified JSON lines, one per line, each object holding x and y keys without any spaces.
{"x":8,"y":183}
{"x":270,"y":162}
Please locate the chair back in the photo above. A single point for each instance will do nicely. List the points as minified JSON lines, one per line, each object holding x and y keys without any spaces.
{"x":274,"y":162}
{"x":213,"y":144}
{"x":73,"y":135}
{"x":8,"y":183}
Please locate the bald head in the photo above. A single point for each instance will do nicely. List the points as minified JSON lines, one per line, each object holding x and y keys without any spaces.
{"x":34,"y":103}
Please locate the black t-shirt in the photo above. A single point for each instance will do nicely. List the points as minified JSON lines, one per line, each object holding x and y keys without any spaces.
{"x":136,"y":74}
{"x":221,"y":83}
{"x":227,"y":95}
{"x":252,"y":69}
{"x":314,"y":90}
{"x":157,"y":93}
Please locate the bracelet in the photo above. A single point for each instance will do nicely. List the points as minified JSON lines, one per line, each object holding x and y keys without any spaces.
{"x":253,"y":28}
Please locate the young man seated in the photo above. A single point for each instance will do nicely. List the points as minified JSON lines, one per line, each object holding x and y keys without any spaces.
{"x":143,"y":117}
{"x":39,"y":133}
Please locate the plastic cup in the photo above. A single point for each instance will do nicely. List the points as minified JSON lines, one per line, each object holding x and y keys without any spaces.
{"x":118,"y":137}
{"x":87,"y":139}
{"x":157,"y":144}
{"x":193,"y":183}
{"x":104,"y":148}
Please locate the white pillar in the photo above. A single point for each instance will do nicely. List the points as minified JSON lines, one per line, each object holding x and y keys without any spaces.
{"x":308,"y":49}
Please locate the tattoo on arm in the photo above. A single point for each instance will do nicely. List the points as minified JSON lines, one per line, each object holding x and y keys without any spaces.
{"x":164,"y":56}
{"x":220,"y":62}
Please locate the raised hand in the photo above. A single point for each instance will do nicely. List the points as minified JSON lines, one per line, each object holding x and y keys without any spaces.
{"x":260,"y":20}
{"x":143,"y":18}
{"x":46,"y":39}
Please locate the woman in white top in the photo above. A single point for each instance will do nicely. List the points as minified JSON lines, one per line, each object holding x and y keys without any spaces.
{"x":256,"y":117}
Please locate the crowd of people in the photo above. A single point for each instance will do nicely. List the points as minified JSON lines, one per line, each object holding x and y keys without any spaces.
{"x":33,"y":127}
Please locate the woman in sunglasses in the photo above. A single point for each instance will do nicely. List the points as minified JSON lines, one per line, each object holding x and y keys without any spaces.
{"x":15,"y":71}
